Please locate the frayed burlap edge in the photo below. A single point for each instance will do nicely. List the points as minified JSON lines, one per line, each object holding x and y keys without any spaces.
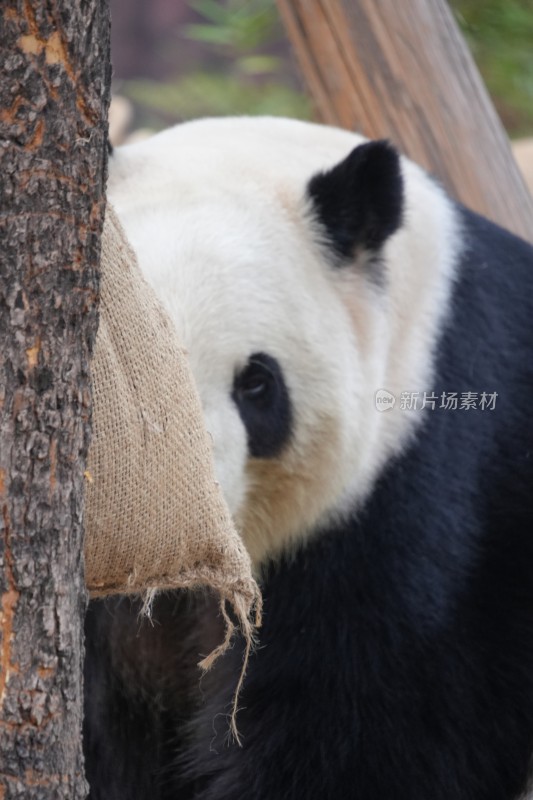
{"x":246,"y":600}
{"x":244,"y":597}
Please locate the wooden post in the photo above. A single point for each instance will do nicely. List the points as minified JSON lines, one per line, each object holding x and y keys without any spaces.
{"x":402,"y":71}
{"x":54,"y":93}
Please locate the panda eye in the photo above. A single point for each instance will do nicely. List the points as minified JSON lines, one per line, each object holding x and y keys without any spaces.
{"x":256,"y":382}
{"x":262,"y":399}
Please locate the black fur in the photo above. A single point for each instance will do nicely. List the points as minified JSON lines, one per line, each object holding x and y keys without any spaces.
{"x":141,"y":685}
{"x":262,"y":398}
{"x":396,"y":657}
{"x":359,"y":202}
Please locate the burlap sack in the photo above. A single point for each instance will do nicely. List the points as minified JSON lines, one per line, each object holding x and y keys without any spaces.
{"x":155,"y":517}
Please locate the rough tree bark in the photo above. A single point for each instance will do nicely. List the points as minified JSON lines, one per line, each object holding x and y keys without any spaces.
{"x":54,"y":95}
{"x":400,"y":69}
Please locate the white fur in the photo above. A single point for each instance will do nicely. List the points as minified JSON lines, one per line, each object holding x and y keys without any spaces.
{"x":217,"y":213}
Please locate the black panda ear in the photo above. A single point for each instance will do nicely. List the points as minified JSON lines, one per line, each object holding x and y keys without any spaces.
{"x":359,"y":202}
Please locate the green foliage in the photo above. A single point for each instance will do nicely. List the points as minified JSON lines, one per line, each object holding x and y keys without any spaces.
{"x":208,"y":93}
{"x":244,"y":70}
{"x":243,"y":26}
{"x":500,"y":33}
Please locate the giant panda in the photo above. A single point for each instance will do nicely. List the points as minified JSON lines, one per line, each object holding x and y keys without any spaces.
{"x":362,"y":346}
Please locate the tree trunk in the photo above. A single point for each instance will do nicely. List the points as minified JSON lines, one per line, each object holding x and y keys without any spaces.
{"x":54,"y":95}
{"x":401,"y":70}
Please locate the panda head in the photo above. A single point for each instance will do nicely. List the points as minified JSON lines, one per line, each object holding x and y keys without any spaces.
{"x":300,"y":282}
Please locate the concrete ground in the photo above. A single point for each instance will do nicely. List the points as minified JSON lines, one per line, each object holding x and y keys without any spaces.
{"x":523,"y":152}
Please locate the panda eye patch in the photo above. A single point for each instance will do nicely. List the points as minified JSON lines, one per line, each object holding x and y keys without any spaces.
{"x":262,"y":399}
